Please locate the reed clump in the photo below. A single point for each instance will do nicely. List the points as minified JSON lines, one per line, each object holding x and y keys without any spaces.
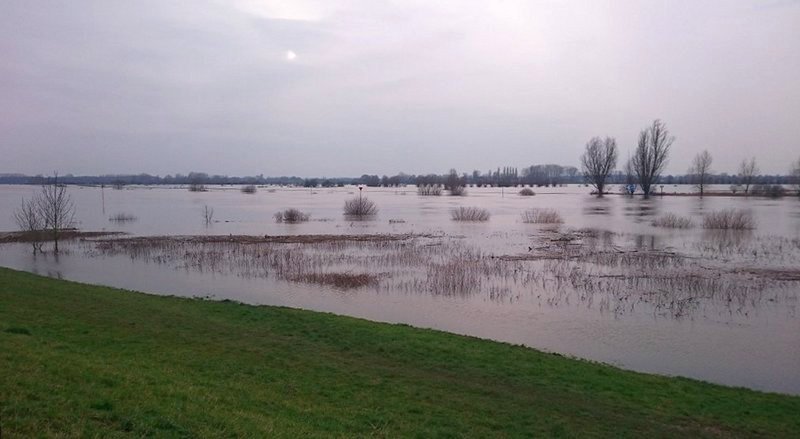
{"x":729,"y":219}
{"x":672,"y":221}
{"x":339,"y":280}
{"x":429,"y":190}
{"x":541,"y":216}
{"x":475,"y":214}
{"x":527,"y":192}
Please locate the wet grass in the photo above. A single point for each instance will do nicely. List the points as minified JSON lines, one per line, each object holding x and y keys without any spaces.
{"x":90,"y":361}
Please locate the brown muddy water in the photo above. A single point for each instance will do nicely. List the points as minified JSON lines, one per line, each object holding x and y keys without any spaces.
{"x":604,"y":284}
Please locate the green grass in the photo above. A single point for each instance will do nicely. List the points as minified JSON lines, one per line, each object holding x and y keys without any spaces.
{"x":90,"y":361}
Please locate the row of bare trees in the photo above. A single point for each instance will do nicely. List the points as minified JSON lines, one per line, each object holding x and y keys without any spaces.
{"x":648,"y":161}
{"x":46,"y":215}
{"x":701,"y":171}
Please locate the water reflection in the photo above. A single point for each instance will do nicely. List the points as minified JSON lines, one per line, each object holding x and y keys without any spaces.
{"x":646,"y":242}
{"x":640,"y":209}
{"x":597,"y":206}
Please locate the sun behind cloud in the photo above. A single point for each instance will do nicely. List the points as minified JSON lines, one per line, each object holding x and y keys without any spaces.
{"x":290,"y":55}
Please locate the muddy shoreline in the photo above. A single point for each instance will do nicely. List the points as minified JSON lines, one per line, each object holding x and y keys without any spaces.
{"x":47,"y":236}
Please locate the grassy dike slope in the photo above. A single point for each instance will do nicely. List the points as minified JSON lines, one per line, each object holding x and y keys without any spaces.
{"x":81,"y":360}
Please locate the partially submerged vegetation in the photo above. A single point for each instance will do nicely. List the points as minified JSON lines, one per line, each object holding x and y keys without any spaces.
{"x":66,"y":235}
{"x":197,"y":187}
{"x":564,"y":266}
{"x":458,"y":191}
{"x":769,"y":190}
{"x":249,"y":189}
{"x":672,"y":221}
{"x":527,"y":192}
{"x":470,"y":214}
{"x":50,"y":212}
{"x":208,"y":215}
{"x":174,"y":240}
{"x":729,"y":219}
{"x":541,"y":216}
{"x":360,"y":208}
{"x":344,"y":281}
{"x":427,"y":190}
{"x":291,"y":216}
{"x":102,"y":362}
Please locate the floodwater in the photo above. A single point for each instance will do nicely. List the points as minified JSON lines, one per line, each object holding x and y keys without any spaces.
{"x":605,"y":285}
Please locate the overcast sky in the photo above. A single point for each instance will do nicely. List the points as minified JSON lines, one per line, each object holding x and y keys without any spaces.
{"x":343,"y":88}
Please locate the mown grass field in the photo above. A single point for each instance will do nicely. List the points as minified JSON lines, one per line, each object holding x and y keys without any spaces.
{"x":90,"y":361}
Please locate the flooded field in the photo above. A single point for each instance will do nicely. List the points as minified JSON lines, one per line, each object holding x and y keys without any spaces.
{"x":559,"y":271}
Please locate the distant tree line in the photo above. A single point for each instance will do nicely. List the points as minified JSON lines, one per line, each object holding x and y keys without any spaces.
{"x":508,"y":176}
{"x":147,"y":179}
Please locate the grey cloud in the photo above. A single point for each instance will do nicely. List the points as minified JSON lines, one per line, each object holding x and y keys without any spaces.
{"x":162,"y":87}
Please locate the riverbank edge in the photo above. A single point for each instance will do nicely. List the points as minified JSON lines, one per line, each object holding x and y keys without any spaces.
{"x":93,"y":360}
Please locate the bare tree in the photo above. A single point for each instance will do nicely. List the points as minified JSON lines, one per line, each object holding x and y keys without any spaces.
{"x":208,"y":215}
{"x":29,"y":221}
{"x":630,"y":177}
{"x":454,"y":183}
{"x":56,"y":209}
{"x":650,"y":157}
{"x":701,"y":167}
{"x":599,"y":159}
{"x":747,"y":173}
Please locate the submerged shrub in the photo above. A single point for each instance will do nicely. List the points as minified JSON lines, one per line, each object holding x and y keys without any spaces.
{"x":458,"y":191}
{"x":469,"y":214}
{"x":429,"y":190}
{"x":769,"y":190}
{"x":541,"y":216}
{"x":527,"y":192}
{"x":360,"y":207}
{"x":249,"y":189}
{"x":729,"y":219}
{"x":197,"y":187}
{"x":291,"y":216}
{"x":673,"y":221}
